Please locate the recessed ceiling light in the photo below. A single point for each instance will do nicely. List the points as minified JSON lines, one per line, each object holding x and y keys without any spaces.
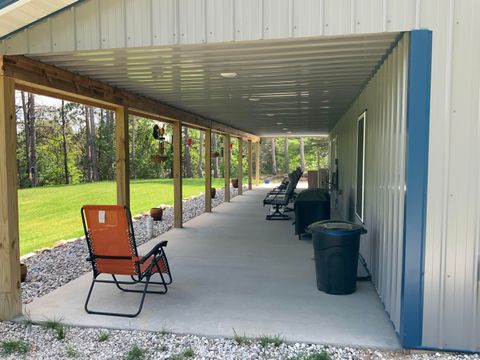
{"x":228,"y":74}
{"x":270,"y":115}
{"x":254,"y":99}
{"x":326,"y":91}
{"x":285,"y":129}
{"x":289,"y":132}
{"x":279,"y":123}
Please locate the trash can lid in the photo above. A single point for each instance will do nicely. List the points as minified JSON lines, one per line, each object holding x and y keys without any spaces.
{"x":336,"y":228}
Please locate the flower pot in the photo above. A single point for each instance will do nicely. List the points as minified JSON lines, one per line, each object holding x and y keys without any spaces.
{"x":156,"y":214}
{"x":23,"y":272}
{"x":213,"y":192}
{"x":235,"y":183}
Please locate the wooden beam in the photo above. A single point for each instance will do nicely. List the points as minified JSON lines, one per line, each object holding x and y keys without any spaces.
{"x":240,"y":166}
{"x":177,"y":175}
{"x":208,"y":170}
{"x":250,"y":164}
{"x":122,"y":156}
{"x":226,"y":166}
{"x":257,"y":164}
{"x":10,"y":298}
{"x":35,"y":76}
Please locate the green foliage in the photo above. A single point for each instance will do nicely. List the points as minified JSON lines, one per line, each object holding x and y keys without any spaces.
{"x":103,"y":336}
{"x":135,"y":353}
{"x":188,"y":353}
{"x":275,"y":340}
{"x":56,"y":326}
{"x":315,"y":148}
{"x":14,"y":347}
{"x":71,"y":352}
{"x":316,"y":356}
{"x":240,"y":339}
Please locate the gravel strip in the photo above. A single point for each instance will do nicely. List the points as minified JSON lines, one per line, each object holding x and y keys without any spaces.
{"x":84,"y":343}
{"x":51,"y":268}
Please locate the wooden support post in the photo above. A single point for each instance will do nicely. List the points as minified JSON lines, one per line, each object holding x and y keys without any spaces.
{"x":122,"y":168}
{"x":240,"y":166}
{"x":250,"y":164}
{"x":257,"y":164}
{"x":177,"y":175}
{"x":226,"y":166}
{"x":208,"y":170}
{"x":10,"y":298}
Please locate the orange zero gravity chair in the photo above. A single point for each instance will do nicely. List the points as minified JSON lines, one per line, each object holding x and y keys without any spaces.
{"x":113,"y":251}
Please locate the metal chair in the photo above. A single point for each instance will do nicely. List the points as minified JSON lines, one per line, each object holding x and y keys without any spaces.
{"x":113,"y":251}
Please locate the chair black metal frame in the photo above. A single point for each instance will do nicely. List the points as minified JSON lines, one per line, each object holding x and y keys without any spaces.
{"x":158,"y":262}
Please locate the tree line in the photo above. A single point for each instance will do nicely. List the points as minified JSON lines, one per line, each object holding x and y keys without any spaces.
{"x":73,"y":143}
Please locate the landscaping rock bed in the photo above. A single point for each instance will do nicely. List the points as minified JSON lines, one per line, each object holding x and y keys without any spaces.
{"x":52,"y":268}
{"x":41,"y":342}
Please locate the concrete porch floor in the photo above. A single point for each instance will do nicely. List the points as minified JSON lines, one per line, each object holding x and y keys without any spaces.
{"x":232,"y":269}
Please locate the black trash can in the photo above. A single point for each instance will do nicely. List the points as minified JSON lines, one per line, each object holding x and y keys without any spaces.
{"x":336,"y":244}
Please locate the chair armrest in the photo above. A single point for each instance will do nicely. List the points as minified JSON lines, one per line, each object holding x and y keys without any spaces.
{"x":155,"y":250}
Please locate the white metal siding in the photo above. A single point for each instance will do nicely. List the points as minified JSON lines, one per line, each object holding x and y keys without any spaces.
{"x":451,"y":297}
{"x":384,"y":101}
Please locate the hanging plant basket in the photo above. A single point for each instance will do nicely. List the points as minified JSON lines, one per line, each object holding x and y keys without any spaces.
{"x":235,"y":183}
{"x":156,"y":214}
{"x":158,"y":159}
{"x":213,"y":192}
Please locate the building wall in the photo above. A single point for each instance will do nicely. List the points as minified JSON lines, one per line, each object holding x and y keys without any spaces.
{"x":384,"y":99}
{"x":452,"y":253}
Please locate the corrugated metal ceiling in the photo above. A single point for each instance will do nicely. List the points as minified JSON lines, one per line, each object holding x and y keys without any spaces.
{"x":285,"y":87}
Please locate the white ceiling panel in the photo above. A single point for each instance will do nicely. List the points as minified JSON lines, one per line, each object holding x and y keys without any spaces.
{"x":283,"y":87}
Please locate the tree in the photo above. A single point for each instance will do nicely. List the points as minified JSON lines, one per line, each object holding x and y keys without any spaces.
{"x":200,"y":150}
{"x":302,"y":153}
{"x":64,"y":138}
{"x":91,"y":153}
{"x":187,"y":160}
{"x":287,"y":165}
{"x":132,"y":141}
{"x":215,"y":159}
{"x":28,"y":107}
{"x":274,"y":158}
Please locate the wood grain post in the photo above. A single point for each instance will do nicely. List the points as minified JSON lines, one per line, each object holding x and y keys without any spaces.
{"x":226,"y":166}
{"x":177,"y":175}
{"x":257,"y":164}
{"x":10,"y":298}
{"x":250,"y":164}
{"x":240,"y":166}
{"x":122,"y":156}
{"x":208,"y":170}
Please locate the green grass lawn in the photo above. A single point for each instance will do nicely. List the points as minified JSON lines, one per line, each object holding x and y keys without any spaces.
{"x":49,"y":214}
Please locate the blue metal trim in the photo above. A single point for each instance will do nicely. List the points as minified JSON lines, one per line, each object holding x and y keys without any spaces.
{"x":5,"y":3}
{"x":418,"y":119}
{"x":36,"y":21}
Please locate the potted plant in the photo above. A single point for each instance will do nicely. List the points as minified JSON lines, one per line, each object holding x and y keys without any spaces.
{"x":156,"y":213}
{"x":235,"y":183}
